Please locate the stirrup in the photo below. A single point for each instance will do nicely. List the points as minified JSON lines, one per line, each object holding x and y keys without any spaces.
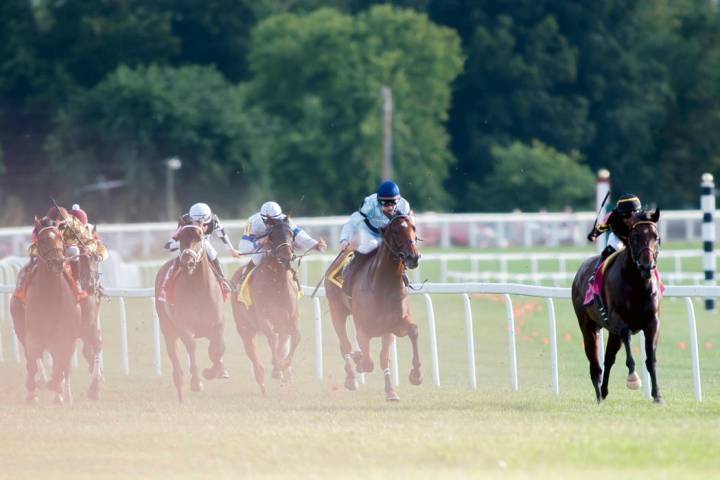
{"x":601,"y":311}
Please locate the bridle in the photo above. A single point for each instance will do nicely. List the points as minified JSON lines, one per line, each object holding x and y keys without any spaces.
{"x":395,"y":252}
{"x":653,"y":251}
{"x":273,"y":251}
{"x":55,"y":263}
{"x":195,"y":254}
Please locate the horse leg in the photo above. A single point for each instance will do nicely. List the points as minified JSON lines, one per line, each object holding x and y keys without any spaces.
{"x":294,"y":342}
{"x":216,"y":350}
{"x":390,"y":393}
{"x":416,"y":377}
{"x":365,"y":365}
{"x":60,"y":382}
{"x":171,"y":342}
{"x":251,"y":352}
{"x":272,"y":340}
{"x":590,"y":342}
{"x":282,"y":365}
{"x":339,"y":322}
{"x":633,"y":379}
{"x":32,"y":359}
{"x":651,"y":336}
{"x":92,"y":346}
{"x":191,"y":346}
{"x":613,"y":346}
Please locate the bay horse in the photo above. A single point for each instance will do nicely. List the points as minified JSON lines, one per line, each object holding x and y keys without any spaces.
{"x":273,"y":309}
{"x":195,"y":309}
{"x":631,"y":294}
{"x":51,"y":318}
{"x":379,"y":304}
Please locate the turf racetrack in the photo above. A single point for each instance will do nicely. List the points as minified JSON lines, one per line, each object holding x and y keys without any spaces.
{"x":317,"y":429}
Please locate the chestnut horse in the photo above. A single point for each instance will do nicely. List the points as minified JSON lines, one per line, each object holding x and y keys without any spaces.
{"x":196,"y":310}
{"x":631,"y":294}
{"x":379,"y":304}
{"x":51,"y":319}
{"x":274,"y":305}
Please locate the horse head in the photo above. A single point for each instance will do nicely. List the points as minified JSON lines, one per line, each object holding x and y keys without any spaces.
{"x":50,"y":244}
{"x":191,"y":247}
{"x":644,"y":242}
{"x":399,"y":235}
{"x":281,"y":239}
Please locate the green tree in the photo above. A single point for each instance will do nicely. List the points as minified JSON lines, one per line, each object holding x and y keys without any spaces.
{"x":535,"y":177}
{"x":131,"y":122}
{"x":320,"y":76}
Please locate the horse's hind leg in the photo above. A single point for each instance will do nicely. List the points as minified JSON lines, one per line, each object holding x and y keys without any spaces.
{"x":60,"y":382}
{"x":365,"y":365}
{"x":613,"y":346}
{"x":416,"y":377}
{"x":294,"y":342}
{"x":633,"y":379}
{"x":390,"y":393}
{"x":92,"y":346}
{"x":339,"y":321}
{"x":251,"y":352}
{"x":590,"y":342}
{"x":216,"y":350}
{"x":651,"y":336}
{"x":171,"y":342}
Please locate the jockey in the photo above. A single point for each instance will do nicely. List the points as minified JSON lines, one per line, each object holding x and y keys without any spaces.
{"x":201,"y":215}
{"x":74,"y":233}
{"x":257,"y":227}
{"x":89,"y":228}
{"x":618,"y":222}
{"x":374,"y":213}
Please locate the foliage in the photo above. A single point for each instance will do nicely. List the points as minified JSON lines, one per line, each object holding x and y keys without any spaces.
{"x":134,"y":120}
{"x":321,"y":76}
{"x":535,"y":177}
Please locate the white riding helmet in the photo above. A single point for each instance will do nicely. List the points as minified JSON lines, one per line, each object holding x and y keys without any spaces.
{"x":271,"y":210}
{"x":200,"y":212}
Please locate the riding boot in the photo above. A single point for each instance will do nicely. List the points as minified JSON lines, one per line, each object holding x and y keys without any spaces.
{"x":245,"y":272}
{"x":609,"y":250}
{"x":347,"y":273}
{"x":217,"y":268}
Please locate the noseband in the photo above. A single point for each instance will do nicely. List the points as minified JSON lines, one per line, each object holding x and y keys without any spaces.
{"x":55,"y":264}
{"x":653,"y":251}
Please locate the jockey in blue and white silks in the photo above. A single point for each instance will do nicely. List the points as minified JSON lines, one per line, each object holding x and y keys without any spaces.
{"x":374,"y":213}
{"x":258,"y":225}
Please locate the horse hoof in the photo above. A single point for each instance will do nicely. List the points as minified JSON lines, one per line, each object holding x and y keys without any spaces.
{"x":276,"y":374}
{"x":633,"y":381}
{"x":658,"y":401}
{"x":351,"y":384}
{"x":93,"y":394}
{"x":32,"y":399}
{"x":416,"y":378}
{"x":208,"y":373}
{"x":392,"y":396}
{"x":223,"y":373}
{"x":59,"y":400}
{"x":196,"y":386}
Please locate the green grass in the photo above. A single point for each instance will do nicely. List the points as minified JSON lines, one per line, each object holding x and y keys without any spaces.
{"x":317,"y":429}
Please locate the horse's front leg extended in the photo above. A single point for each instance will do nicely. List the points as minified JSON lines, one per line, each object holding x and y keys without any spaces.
{"x":365,"y":365}
{"x":390,"y":393}
{"x":613,"y":346}
{"x":633,"y":379}
{"x":416,"y":377}
{"x":651,"y":336}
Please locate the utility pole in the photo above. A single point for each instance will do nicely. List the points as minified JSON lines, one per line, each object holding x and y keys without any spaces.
{"x":387,"y":133}
{"x":173,"y":164}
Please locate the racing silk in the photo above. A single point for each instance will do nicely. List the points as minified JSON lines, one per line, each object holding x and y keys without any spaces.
{"x":613,"y":223}
{"x":370,"y":213}
{"x":74,"y":234}
{"x":255,"y":229}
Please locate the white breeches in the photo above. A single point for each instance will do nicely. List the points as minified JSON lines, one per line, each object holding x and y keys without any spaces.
{"x":615,"y":242}
{"x":367,"y":240}
{"x":211,"y":252}
{"x":246,"y":246}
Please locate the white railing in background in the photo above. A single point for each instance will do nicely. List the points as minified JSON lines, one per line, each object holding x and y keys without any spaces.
{"x":477,"y":230}
{"x":464,"y":290}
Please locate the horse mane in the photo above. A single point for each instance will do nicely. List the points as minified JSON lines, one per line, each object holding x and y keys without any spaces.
{"x":644,"y":216}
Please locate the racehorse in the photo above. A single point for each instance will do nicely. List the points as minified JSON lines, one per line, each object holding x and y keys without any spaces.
{"x":631,"y":293}
{"x":273,"y":304}
{"x":51,"y":318}
{"x":195,"y":309}
{"x":379,"y":304}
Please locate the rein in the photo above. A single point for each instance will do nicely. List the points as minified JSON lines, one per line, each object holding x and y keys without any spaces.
{"x":653,"y":251}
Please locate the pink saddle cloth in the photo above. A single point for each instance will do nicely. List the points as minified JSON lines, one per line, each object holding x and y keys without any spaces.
{"x":595,"y":288}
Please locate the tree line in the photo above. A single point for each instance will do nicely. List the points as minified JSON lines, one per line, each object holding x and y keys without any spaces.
{"x":497,"y":105}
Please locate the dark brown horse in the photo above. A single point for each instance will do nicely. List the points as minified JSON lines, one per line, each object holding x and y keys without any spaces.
{"x":379,"y":304}
{"x":273,"y":309}
{"x":195,"y":310}
{"x":51,"y":319}
{"x":631,"y":294}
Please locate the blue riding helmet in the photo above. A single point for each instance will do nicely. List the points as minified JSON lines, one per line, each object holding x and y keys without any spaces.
{"x":388,"y":190}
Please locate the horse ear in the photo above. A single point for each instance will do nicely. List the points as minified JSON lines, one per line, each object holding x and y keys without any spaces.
{"x":38,"y":225}
{"x":655,"y":215}
{"x":94,"y":229}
